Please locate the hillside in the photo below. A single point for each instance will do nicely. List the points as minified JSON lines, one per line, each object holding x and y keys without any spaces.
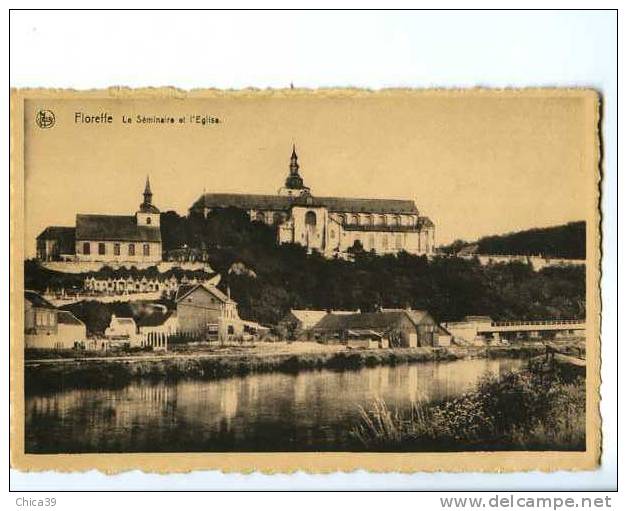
{"x":270,"y":279}
{"x":562,"y":241}
{"x":286,"y":277}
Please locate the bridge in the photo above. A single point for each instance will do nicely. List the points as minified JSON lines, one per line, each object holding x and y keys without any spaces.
{"x":482,"y":328}
{"x":534,"y":326}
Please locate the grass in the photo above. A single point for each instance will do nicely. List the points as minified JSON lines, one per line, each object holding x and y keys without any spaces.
{"x":534,"y":409}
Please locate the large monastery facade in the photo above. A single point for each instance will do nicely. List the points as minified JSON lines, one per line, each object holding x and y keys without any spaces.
{"x":331,"y":225}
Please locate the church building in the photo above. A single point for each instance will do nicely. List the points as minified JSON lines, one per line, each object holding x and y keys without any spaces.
{"x":107,"y":238}
{"x":331,"y":225}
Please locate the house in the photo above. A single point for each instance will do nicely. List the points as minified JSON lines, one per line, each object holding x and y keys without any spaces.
{"x":402,"y":328}
{"x":365,"y":339}
{"x":123,"y":330}
{"x":155,"y":329}
{"x":204,"y":311}
{"x":46,"y":327}
{"x":298,"y":322}
{"x":469,"y":330}
{"x":134,"y":281}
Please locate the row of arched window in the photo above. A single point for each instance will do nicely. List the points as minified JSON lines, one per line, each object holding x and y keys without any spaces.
{"x":372,"y":219}
{"x":275,"y":218}
{"x":393,"y":242}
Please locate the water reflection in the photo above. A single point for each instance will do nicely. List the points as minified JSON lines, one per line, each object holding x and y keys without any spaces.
{"x":267,"y":412}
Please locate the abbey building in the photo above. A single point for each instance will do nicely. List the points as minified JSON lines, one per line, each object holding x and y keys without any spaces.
{"x":331,"y":225}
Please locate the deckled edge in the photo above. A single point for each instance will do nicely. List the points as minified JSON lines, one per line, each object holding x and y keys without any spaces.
{"x":313,"y":463}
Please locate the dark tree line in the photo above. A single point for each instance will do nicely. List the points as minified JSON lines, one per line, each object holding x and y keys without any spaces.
{"x":287,"y":277}
{"x":450,"y":288}
{"x":562,"y":241}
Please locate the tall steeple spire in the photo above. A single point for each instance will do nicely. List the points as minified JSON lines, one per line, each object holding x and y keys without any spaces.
{"x":147,"y":192}
{"x":294,"y":161}
{"x":294,"y":181}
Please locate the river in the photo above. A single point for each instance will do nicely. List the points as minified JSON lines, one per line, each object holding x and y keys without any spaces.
{"x":308,"y":411}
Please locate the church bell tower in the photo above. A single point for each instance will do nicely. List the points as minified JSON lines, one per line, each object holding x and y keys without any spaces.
{"x":294,"y":184}
{"x":148,"y":214}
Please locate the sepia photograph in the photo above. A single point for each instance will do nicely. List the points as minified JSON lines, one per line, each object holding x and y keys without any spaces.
{"x":348,"y":271}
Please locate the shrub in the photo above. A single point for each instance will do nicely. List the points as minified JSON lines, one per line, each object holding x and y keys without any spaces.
{"x":521,"y":410}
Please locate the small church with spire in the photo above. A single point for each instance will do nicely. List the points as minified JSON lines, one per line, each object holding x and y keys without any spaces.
{"x":107,"y":238}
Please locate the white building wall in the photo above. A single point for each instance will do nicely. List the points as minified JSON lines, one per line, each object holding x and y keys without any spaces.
{"x":154,"y":256}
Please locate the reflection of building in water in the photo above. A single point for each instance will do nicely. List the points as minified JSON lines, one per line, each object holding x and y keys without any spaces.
{"x":229,"y":398}
{"x":300,"y":388}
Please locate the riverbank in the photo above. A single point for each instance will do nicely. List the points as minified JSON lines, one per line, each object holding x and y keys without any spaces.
{"x":539,"y":408}
{"x":51,"y":374}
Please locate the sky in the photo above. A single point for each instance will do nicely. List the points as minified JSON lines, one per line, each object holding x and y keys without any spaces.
{"x":477,"y":163}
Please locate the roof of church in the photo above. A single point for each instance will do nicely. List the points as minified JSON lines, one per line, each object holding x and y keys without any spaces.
{"x":114,"y":228}
{"x":146,"y":207}
{"x":57,"y":232}
{"x":380,"y":228}
{"x":279,"y":202}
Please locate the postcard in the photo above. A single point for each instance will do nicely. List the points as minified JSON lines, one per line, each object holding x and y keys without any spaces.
{"x":318,"y":280}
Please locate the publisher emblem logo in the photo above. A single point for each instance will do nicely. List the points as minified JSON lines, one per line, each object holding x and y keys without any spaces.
{"x":45,"y":119}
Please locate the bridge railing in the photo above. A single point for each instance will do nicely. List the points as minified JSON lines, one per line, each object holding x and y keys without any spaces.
{"x":540,"y":322}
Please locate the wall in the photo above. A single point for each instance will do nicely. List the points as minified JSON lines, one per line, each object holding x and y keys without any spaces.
{"x":362,"y":344}
{"x":462,"y":330}
{"x":383,"y":242}
{"x":42,"y":319}
{"x":197,"y":310}
{"x":311,"y":236}
{"x":88,"y":266}
{"x":64,"y":339}
{"x":155,"y":255}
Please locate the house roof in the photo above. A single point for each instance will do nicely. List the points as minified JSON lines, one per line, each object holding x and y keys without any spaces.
{"x":425,"y":221}
{"x":280,"y":202}
{"x":67,"y":318}
{"x":37,"y":300}
{"x":114,"y":228}
{"x":484,"y":319}
{"x":156,"y":318}
{"x":359,"y":332}
{"x":124,"y":321}
{"x":378,"y":321}
{"x":183,"y":290}
{"x":468,"y":249}
{"x":308,"y":316}
{"x":416,"y":315}
{"x":186,"y":289}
